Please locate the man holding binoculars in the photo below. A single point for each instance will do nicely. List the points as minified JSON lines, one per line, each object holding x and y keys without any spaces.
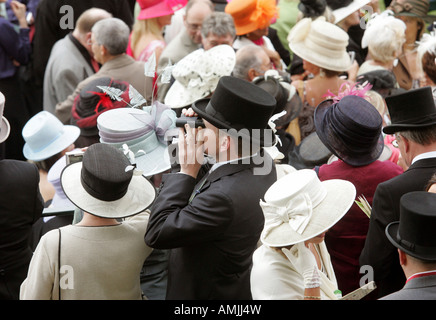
{"x":212,"y":222}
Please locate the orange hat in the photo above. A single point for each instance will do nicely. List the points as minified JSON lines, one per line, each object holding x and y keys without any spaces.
{"x":250,"y":15}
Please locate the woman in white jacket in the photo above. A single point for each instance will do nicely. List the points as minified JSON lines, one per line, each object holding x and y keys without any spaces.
{"x":293,"y":262}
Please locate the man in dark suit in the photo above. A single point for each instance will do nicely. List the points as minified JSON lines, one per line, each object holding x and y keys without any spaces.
{"x":414,"y":237}
{"x":413,"y":117}
{"x":21,"y":205}
{"x":213,"y":226}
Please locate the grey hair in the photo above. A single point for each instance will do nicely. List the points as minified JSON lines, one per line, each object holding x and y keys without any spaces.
{"x":423,"y":136}
{"x":247,"y":58}
{"x":113,"y":34}
{"x":220,"y":24}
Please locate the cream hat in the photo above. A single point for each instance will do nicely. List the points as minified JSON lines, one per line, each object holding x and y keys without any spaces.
{"x":321,"y":43}
{"x":341,"y":13}
{"x":197,"y":75}
{"x":299,"y":207}
{"x":5,"y":128}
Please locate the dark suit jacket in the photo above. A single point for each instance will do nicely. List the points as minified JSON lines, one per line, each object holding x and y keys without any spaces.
{"x":346,"y":238}
{"x":21,"y":204}
{"x":422,"y":288}
{"x":378,"y":252}
{"x":213,"y":237}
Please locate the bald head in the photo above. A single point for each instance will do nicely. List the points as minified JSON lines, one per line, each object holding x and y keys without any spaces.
{"x":196,"y":12}
{"x":88,"y":18}
{"x":251,"y":61}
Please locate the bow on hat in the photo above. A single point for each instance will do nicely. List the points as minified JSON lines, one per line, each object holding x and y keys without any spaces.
{"x":297,"y":213}
{"x":158,"y":117}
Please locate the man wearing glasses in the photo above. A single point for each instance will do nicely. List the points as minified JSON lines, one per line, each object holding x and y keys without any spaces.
{"x":413,"y":121}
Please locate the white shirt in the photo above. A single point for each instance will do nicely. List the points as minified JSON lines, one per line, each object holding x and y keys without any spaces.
{"x":425,"y":155}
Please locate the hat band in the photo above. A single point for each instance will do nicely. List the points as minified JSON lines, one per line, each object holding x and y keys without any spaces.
{"x":417,"y":120}
{"x":415,"y":248}
{"x":210,"y":110}
{"x":102,"y":190}
{"x":147,"y":145}
{"x":356,"y":141}
{"x":328,"y":48}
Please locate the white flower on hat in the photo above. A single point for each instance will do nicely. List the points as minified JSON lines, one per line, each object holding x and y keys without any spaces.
{"x":300,"y":31}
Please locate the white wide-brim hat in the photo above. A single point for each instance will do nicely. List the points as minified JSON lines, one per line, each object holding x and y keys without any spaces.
{"x":197,"y":75}
{"x":139,"y":196}
{"x":45,"y":135}
{"x":341,"y":13}
{"x":5,"y":127}
{"x":321,"y":43}
{"x":299,"y":207}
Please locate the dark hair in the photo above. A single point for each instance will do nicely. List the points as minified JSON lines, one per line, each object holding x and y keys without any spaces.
{"x":429,"y":65}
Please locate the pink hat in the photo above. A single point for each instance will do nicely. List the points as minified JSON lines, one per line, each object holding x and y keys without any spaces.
{"x":158,"y":8}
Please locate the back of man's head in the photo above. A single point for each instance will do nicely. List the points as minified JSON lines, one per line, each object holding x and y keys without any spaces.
{"x":248,"y":57}
{"x":88,"y":18}
{"x":113,"y":34}
{"x":220,"y":24}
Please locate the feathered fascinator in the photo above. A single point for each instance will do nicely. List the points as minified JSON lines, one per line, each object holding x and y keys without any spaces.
{"x":347,"y":89}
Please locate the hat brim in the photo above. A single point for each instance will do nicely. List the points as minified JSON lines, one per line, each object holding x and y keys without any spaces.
{"x":154,"y":162}
{"x":391,"y":233}
{"x":179,"y":96}
{"x":321,"y":129}
{"x":68,"y":137}
{"x":338,"y":200}
{"x":199,"y":107}
{"x":385,"y":155}
{"x":5,"y":129}
{"x":139,"y":197}
{"x":391,"y":129}
{"x":341,"y":13}
{"x":338,"y":64}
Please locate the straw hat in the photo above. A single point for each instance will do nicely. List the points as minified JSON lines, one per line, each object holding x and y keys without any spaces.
{"x":103,"y":186}
{"x":5,"y":128}
{"x":412,"y":8}
{"x":197,"y":75}
{"x":250,"y":15}
{"x":299,"y":207}
{"x":321,"y":43}
{"x":45,"y":135}
{"x":158,"y":8}
{"x":140,"y":134}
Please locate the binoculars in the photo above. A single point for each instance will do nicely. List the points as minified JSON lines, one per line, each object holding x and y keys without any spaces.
{"x":193,"y":122}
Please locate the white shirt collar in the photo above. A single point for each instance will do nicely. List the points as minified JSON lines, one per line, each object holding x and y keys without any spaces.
{"x":425,"y":155}
{"x":219,"y":164}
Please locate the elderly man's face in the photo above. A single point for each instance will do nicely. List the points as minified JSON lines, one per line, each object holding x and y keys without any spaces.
{"x":194,"y":20}
{"x":213,"y":40}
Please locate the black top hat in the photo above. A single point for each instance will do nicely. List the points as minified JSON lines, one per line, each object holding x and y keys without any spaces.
{"x":351,"y":129}
{"x":410,"y":110}
{"x":240,"y":105}
{"x":286,"y":100}
{"x":414,"y":233}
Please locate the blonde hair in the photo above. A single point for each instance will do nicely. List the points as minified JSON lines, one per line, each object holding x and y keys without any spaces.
{"x":145,"y":26}
{"x":386,"y":46}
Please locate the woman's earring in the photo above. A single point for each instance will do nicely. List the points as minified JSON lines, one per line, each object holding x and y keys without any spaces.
{"x":395,"y":63}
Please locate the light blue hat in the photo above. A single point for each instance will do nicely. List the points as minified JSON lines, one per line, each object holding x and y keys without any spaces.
{"x":45,"y":135}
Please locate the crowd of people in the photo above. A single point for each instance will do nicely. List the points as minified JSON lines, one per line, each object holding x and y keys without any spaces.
{"x":217,"y":150}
